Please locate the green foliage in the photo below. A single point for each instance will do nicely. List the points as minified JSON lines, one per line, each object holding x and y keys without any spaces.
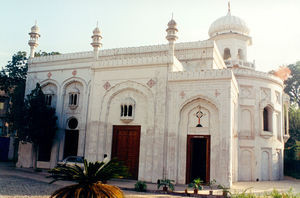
{"x":39,"y":119}
{"x":212,"y":183}
{"x":95,"y":190}
{"x":292,"y":146}
{"x":224,"y":188}
{"x":89,"y":181}
{"x":274,"y":194}
{"x":140,"y":186}
{"x":13,"y":82}
{"x":15,"y":70}
{"x":92,"y":173}
{"x":196,"y":184}
{"x":292,"y":87}
{"x":166,"y":183}
{"x":243,"y":195}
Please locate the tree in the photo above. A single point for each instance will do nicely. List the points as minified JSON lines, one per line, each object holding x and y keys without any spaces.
{"x":13,"y":82}
{"x":291,"y":145}
{"x":90,"y":181}
{"x":39,"y":122}
{"x":292,"y":84}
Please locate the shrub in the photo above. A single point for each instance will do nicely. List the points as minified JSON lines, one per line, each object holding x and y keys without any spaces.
{"x":140,"y":186}
{"x":167,"y":183}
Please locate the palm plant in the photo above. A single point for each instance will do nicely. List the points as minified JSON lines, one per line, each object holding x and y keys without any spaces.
{"x":89,"y":180}
{"x":196,"y":184}
{"x":166,"y":183}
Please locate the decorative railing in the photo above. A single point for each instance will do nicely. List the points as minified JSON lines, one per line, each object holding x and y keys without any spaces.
{"x":140,"y":52}
{"x":240,"y":63}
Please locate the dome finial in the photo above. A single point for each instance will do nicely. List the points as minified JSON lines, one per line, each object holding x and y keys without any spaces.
{"x":228,"y":6}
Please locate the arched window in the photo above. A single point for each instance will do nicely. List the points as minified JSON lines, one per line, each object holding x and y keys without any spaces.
{"x":130,"y":110}
{"x":240,"y":54}
{"x":73,"y":99}
{"x":49,"y":91}
{"x":267,"y":119}
{"x":127,"y":110}
{"x":74,"y":93}
{"x":227,"y":54}
{"x":48,"y":99}
{"x":122,"y":110}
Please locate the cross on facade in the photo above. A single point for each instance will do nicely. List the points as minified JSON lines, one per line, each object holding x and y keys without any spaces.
{"x":199,"y":115}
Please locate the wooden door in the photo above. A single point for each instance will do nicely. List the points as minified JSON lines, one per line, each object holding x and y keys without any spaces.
{"x":198,"y":158}
{"x":126,"y":147}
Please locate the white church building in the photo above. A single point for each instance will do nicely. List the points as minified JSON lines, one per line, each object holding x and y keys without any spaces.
{"x":178,"y":110}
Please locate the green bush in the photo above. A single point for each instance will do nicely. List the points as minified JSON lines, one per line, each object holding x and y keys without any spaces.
{"x":196,"y":184}
{"x":140,"y":186}
{"x":292,"y":168}
{"x":166,"y":183}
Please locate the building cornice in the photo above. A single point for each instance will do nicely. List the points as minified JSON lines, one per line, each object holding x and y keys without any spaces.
{"x":212,"y":74}
{"x":239,"y":72}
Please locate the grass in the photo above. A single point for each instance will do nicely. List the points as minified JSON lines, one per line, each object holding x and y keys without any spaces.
{"x":274,"y":194}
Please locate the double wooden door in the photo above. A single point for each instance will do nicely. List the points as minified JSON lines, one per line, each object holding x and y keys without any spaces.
{"x":126,"y":147}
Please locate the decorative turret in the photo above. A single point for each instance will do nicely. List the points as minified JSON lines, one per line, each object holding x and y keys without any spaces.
{"x":172,"y":30}
{"x":96,"y":41}
{"x":171,"y":34}
{"x":231,"y":35}
{"x":33,"y":41}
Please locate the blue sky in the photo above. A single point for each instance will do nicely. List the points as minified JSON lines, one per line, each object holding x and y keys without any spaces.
{"x":66,"y":25}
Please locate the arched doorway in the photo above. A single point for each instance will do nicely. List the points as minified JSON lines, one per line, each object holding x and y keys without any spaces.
{"x":197,"y":140}
{"x":71,"y":138}
{"x":198,"y":158}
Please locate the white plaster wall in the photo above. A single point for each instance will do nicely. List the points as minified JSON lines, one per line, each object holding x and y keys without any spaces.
{"x":62,"y":74}
{"x":25,"y":155}
{"x":165,"y":109}
{"x":234,"y":44}
{"x":150,"y":105}
{"x":256,"y":93}
{"x":180,"y":114}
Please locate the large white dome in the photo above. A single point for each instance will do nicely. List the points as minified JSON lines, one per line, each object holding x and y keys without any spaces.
{"x":228,"y":24}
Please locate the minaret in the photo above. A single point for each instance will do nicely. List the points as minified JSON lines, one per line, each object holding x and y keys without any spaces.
{"x":33,"y":41}
{"x":96,"y":41}
{"x":171,"y":35}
